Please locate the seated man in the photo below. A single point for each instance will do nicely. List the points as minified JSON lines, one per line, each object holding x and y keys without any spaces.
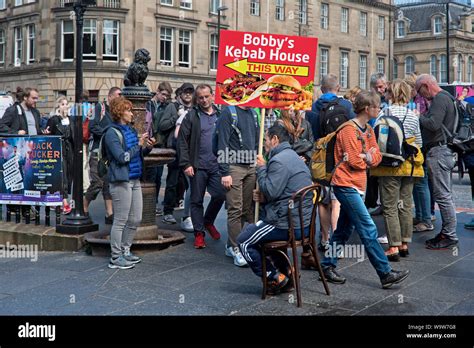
{"x":283,"y":175}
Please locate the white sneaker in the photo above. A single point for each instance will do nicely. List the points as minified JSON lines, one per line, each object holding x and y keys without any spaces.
{"x":187,"y":224}
{"x":239,"y":259}
{"x":229,"y":251}
{"x":383,"y":240}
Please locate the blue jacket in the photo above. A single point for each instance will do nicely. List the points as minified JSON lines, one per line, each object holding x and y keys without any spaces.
{"x":283,"y":175}
{"x":118,"y":156}
{"x":318,"y":105}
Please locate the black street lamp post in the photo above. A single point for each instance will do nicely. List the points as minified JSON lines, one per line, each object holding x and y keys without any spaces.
{"x":219,"y":10}
{"x":77,"y":221}
{"x":447,"y":41}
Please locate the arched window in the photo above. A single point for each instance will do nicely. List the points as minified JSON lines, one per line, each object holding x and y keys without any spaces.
{"x":434,"y":66}
{"x":409,"y":65}
{"x":443,"y":76}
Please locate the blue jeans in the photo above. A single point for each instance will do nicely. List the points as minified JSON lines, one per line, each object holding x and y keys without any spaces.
{"x":422,"y":198}
{"x":355,"y":214}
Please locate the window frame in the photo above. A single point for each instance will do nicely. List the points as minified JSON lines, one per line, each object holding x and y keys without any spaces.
{"x":381,"y":28}
{"x":182,"y":63}
{"x":212,"y":4}
{"x":324,"y":19}
{"x":435,"y":25}
{"x":324,"y":61}
{"x":63,"y":41}
{"x":469,"y":69}
{"x":460,"y":68}
{"x":255,"y":8}
{"x":280,"y":10}
{"x":363,"y":23}
{"x":411,"y":59}
{"x":344,"y":69}
{"x":166,"y":3}
{"x":18,"y":46}
{"x":213,"y":49}
{"x":31,"y":40}
{"x":381,"y":61}
{"x":190,"y":2}
{"x":434,"y":65}
{"x":344,"y":20}
{"x":443,"y":74}
{"x":105,"y":56}
{"x":3,"y":5}
{"x":164,"y":62}
{"x":401,"y":27}
{"x":363,"y":71}
{"x":3,"y":45}
{"x":303,"y":12}
{"x":93,"y":32}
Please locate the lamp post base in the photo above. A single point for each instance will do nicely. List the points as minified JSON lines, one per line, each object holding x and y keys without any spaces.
{"x":77,"y":225}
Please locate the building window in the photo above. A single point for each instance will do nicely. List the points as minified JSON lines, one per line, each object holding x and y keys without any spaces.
{"x":381,"y":28}
{"x":363,"y":71}
{"x":395,"y":69}
{"x":363,"y":24}
{"x":2,"y":4}
{"x":324,"y":16}
{"x":187,"y":4}
{"x":166,"y":2}
{"x":67,"y":42}
{"x":89,"y":39}
{"x":381,"y":65}
{"x":215,"y":4}
{"x":60,"y":93}
{"x":184,"y":48}
{"x":400,"y":29}
{"x":30,"y":48}
{"x":18,"y":2}
{"x":469,"y":69}
{"x":303,"y":12}
{"x":460,"y":71}
{"x":438,"y":26}
{"x":214,"y":50}
{"x":18,"y":46}
{"x":2,"y":46}
{"x":409,"y":65}
{"x":344,"y":69}
{"x":255,"y":7}
{"x":443,"y":75}
{"x":280,"y":10}
{"x":324,"y":62}
{"x":434,"y":66}
{"x":111,"y":40}
{"x":344,"y":20}
{"x":166,"y":46}
{"x":472,"y":26}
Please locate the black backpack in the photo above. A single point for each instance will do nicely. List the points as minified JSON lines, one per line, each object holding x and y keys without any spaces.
{"x":461,"y":140}
{"x":331,"y":116}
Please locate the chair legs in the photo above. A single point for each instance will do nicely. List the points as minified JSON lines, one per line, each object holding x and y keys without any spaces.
{"x":296,"y":276}
{"x":264,"y":274}
{"x":320,"y":270}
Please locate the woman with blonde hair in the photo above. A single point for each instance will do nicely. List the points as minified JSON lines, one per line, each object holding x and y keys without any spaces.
{"x":352,"y":93}
{"x":396,"y":183}
{"x":60,"y":124}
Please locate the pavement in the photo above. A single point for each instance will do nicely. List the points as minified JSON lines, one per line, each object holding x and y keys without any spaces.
{"x":183,"y":281}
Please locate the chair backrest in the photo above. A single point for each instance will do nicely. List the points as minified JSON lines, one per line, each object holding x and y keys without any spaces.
{"x":299,"y":197}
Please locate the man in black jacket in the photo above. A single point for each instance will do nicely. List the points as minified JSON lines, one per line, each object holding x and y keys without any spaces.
{"x":200,"y":164}
{"x":23,"y":118}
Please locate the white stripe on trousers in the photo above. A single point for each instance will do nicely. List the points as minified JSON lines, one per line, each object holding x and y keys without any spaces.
{"x":259,"y":234}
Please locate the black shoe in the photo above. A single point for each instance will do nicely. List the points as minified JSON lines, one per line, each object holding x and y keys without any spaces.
{"x":332,"y":276}
{"x":403,"y":252}
{"x":441,"y":244}
{"x":109,"y":220}
{"x":436,"y":239}
{"x":393,"y":277}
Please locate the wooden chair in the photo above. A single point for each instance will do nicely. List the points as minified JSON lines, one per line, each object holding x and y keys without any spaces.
{"x":281,"y":246}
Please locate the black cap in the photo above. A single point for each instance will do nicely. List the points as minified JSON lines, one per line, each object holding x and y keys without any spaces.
{"x":186,"y":87}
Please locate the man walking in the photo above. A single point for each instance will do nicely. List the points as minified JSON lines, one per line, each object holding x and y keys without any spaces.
{"x":200,"y":164}
{"x":440,"y":159}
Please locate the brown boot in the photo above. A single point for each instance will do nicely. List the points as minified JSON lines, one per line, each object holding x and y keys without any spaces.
{"x":308,"y":261}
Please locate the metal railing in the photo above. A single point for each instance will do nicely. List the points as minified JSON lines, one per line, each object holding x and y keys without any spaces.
{"x":100,"y":3}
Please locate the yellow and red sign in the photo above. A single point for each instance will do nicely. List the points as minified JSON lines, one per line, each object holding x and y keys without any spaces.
{"x":266,"y":70}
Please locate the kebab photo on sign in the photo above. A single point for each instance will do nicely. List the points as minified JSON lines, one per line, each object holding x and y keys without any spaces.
{"x":285,"y":92}
{"x":241,"y":88}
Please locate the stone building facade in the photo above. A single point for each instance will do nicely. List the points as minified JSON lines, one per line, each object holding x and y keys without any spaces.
{"x":420,"y":40}
{"x":37,"y":39}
